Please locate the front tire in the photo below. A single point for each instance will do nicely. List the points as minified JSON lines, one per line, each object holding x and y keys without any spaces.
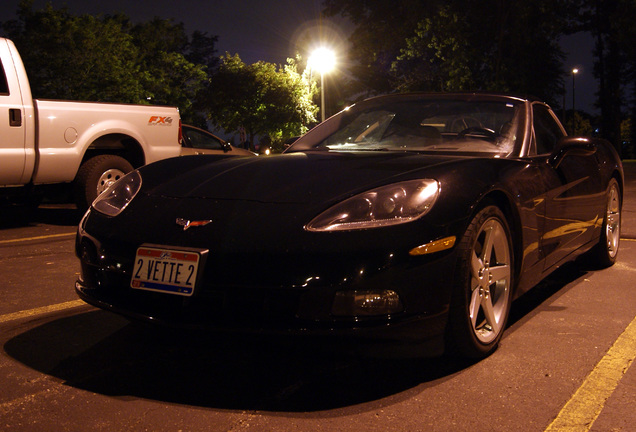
{"x":482,"y":293}
{"x":96,"y":175}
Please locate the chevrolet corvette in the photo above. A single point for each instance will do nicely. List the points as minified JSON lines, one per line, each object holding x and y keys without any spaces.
{"x":409,"y":221}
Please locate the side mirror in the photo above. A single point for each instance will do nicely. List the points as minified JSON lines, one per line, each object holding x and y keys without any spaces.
{"x":573,"y":146}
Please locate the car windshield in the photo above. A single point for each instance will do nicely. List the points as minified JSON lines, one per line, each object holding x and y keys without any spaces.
{"x":443,"y":125}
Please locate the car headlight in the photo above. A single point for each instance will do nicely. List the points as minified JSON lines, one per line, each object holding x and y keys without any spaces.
{"x":115,"y":199}
{"x":392,"y":204}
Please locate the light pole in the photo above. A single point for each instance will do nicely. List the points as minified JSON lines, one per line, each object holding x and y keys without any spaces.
{"x":573,"y":121}
{"x":323,"y":60}
{"x":574,"y":72}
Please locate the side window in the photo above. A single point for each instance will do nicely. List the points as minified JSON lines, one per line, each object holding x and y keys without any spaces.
{"x":202,"y":140}
{"x":546,"y":130}
{"x":4,"y":87}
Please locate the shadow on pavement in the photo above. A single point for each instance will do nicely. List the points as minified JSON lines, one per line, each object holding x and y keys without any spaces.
{"x":553,"y":285}
{"x":100,"y":352}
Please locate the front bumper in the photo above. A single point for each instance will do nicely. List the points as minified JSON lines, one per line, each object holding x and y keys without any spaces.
{"x":282,"y":295}
{"x":258,"y":317}
{"x":285,"y":312}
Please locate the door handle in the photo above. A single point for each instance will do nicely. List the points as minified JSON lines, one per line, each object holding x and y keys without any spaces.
{"x":15,"y":117}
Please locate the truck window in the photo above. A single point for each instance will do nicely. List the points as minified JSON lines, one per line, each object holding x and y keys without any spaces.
{"x":4,"y":87}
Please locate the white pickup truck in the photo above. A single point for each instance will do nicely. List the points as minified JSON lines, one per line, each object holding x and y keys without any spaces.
{"x":88,"y":145}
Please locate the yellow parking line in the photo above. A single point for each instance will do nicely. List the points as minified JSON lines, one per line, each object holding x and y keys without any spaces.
{"x":40,"y":310}
{"x":25,"y":239}
{"x":582,"y":410}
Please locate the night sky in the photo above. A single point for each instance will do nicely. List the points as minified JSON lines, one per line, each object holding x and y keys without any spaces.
{"x":275,"y":30}
{"x":255,"y":29}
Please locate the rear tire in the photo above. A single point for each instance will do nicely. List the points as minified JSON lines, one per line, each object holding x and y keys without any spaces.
{"x":482,"y":293}
{"x":96,"y":175}
{"x":604,"y":254}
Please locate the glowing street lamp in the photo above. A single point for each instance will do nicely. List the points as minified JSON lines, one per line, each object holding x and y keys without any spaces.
{"x":323,"y":60}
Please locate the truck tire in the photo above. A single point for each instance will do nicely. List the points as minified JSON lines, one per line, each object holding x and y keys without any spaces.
{"x":96,"y":175}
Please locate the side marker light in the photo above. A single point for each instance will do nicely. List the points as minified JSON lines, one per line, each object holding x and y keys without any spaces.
{"x":435,"y":246}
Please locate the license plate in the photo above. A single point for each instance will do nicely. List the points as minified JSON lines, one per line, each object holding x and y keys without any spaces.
{"x":165,"y":270}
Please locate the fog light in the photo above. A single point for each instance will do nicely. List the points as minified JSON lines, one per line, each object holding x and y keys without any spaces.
{"x":366,"y":303}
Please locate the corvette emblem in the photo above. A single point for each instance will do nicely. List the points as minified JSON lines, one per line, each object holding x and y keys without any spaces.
{"x":188,"y":223}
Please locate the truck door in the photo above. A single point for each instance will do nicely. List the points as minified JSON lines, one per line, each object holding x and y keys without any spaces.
{"x":13,"y":149}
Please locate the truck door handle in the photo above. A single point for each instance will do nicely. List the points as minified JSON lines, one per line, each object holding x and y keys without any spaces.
{"x":15,"y":117}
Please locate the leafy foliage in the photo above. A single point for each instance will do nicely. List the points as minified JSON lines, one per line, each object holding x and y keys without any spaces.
{"x":110,"y":59}
{"x":457,"y":45}
{"x":578,"y":125}
{"x":436,"y":57}
{"x":404,"y":45}
{"x":611,"y":24}
{"x":263,"y":99}
{"x":106,"y":58}
{"x":80,"y":58}
{"x":380,"y":30}
{"x":492,"y":45}
{"x":168,"y":77}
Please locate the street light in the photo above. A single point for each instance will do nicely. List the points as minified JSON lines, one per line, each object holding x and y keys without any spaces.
{"x":323,"y":60}
{"x":574,"y":72}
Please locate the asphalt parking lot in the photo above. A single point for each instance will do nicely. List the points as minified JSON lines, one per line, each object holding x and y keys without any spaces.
{"x":629,"y":204}
{"x":565,"y":362}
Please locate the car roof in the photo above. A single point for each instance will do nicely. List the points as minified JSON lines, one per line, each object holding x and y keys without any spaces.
{"x":465,"y":96}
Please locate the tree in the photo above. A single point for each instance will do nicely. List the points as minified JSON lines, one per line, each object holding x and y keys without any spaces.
{"x":579,"y":124}
{"x":627,"y":128}
{"x":457,"y":45}
{"x":168,"y":77}
{"x":106,"y":58}
{"x":619,"y":70}
{"x":436,"y":56}
{"x":201,"y":50}
{"x":381,"y":29}
{"x":452,"y":49}
{"x":77,"y":58}
{"x":263,"y":99}
{"x":605,"y":20}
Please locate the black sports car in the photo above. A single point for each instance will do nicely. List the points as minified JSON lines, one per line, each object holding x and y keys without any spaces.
{"x":405,"y":220}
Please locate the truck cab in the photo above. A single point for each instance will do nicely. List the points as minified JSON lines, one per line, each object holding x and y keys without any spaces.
{"x":17,"y":158}
{"x":83,"y":145}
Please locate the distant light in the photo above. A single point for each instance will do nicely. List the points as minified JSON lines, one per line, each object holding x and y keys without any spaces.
{"x":575,"y":71}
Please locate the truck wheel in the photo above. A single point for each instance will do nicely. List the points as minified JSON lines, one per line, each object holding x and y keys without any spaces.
{"x":96,"y":175}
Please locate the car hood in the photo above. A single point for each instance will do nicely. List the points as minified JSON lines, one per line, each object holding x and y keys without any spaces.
{"x":252,"y":208}
{"x":290,"y":178}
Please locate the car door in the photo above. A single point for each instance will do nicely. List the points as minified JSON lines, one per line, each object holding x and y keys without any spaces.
{"x":574,"y":193}
{"x":12,"y":128}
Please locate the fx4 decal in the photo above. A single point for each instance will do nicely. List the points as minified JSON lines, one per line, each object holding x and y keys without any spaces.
{"x":160,"y":121}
